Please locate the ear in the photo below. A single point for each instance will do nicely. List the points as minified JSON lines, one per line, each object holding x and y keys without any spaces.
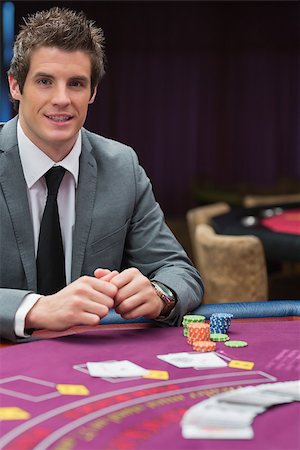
{"x":14,"y":88}
{"x":93,"y":96}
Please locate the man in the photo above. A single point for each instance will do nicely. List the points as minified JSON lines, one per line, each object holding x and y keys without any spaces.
{"x":118,"y":251}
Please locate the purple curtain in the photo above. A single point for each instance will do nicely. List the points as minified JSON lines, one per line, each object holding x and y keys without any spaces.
{"x":200,"y":90}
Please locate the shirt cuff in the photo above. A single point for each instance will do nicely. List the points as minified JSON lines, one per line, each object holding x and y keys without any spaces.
{"x":28,"y":302}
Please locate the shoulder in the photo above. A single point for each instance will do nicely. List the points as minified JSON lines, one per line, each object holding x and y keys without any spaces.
{"x":2,"y":127}
{"x":9,"y":126}
{"x":108,"y":149}
{"x":104,"y":143}
{"x":8,"y":134}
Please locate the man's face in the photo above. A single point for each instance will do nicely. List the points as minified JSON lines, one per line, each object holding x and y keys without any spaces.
{"x":55,"y":98}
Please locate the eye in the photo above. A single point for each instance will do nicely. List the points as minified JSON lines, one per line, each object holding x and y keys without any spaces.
{"x":76,"y":83}
{"x":44,"y":82}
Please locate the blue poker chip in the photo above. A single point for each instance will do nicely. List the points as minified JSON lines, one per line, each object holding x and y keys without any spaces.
{"x":220,"y":322}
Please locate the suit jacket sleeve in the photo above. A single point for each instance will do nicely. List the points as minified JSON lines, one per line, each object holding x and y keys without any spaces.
{"x":152,"y":248}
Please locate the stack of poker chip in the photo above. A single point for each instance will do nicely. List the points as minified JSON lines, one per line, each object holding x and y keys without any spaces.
{"x":220,"y":323}
{"x":198,"y":332}
{"x":190,"y":318}
{"x":199,"y":337}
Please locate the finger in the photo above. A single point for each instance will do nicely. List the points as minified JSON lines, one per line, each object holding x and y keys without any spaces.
{"x":99,"y":272}
{"x":129,"y":304}
{"x":105,"y":274}
{"x":126,"y":276}
{"x":96,"y":309}
{"x":86,"y":306}
{"x":91,"y":319}
{"x":101,"y":299}
{"x":139,"y":311}
{"x":103,"y":286}
{"x":110,"y":275}
{"x":90,"y":288}
{"x":139,"y":286}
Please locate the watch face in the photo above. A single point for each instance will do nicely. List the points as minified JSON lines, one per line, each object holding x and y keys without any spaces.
{"x":166,"y":290}
{"x":167,"y":297}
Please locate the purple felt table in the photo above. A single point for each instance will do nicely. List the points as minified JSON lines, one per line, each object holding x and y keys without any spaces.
{"x":141,"y":413}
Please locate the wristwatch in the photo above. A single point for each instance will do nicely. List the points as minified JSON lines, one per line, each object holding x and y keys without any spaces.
{"x":167,"y":295}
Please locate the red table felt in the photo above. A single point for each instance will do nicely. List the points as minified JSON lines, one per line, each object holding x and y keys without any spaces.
{"x":141,"y":413}
{"x":286,"y":222}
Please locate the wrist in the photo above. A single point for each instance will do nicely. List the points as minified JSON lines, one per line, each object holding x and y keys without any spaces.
{"x":167,"y":297}
{"x":32,"y":316}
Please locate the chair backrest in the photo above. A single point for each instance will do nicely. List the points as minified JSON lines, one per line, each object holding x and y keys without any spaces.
{"x":250,"y":201}
{"x":233,"y":268}
{"x":203,"y":215}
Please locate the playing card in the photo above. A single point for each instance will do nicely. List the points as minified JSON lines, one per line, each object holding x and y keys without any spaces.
{"x":255,"y":396}
{"x":183,"y":359}
{"x":229,"y":415}
{"x":224,"y":415}
{"x":290,"y":389}
{"x":193,"y":359}
{"x":207,"y":432}
{"x":115,"y":369}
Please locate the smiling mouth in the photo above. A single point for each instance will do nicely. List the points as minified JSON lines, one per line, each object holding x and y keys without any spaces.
{"x":59,"y":118}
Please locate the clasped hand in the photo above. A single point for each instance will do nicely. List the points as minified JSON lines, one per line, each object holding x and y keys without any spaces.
{"x":88,"y":299}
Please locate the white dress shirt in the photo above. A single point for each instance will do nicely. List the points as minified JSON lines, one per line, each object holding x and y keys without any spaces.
{"x":35,"y":164}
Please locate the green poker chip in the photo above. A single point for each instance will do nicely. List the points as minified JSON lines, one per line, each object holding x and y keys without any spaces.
{"x":219,"y":337}
{"x":189,"y":318}
{"x":236,"y":343}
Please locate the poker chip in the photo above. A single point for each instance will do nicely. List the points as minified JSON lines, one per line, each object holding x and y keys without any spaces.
{"x":219,"y":337}
{"x":191,"y":318}
{"x":236,"y":343}
{"x":220,"y":323}
{"x":204,"y":346}
{"x":198,"y":332}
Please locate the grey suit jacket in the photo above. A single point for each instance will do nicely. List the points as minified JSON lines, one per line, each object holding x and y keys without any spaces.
{"x":118,"y":225}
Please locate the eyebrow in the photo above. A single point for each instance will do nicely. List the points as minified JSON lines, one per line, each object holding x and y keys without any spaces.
{"x":42,"y":74}
{"x":48,"y":75}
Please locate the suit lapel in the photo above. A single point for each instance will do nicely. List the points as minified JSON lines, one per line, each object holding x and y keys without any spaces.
{"x":85,"y":199}
{"x":14,"y":189}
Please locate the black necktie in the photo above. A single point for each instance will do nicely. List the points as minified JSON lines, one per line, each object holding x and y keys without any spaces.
{"x":50,"y":262}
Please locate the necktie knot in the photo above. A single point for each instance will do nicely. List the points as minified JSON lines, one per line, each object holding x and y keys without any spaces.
{"x":53,"y":178}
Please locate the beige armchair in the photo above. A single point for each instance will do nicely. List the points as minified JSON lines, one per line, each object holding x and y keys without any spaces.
{"x":203,"y":215}
{"x":233,"y":268}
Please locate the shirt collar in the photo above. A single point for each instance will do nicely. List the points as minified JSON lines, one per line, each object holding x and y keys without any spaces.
{"x":36,"y":163}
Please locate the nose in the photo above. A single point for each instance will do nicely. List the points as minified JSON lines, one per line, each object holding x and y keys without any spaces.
{"x":61,"y":96}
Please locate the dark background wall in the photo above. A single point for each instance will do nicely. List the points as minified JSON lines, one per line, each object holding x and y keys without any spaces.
{"x":206,"y":92}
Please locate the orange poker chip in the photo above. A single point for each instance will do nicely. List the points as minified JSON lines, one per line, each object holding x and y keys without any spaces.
{"x":198,"y":326}
{"x":204,"y":346}
{"x":198,"y":332}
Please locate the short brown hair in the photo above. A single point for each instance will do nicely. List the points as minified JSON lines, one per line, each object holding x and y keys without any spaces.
{"x":61,"y":28}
